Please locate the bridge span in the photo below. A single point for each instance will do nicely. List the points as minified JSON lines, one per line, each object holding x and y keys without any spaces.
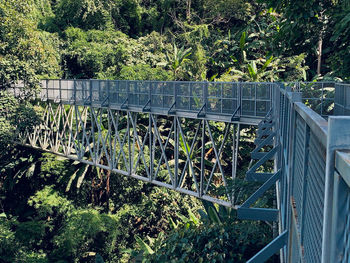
{"x":189,"y":137}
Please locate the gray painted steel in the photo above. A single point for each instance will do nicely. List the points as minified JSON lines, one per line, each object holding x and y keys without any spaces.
{"x":99,"y":123}
{"x":313,"y":194}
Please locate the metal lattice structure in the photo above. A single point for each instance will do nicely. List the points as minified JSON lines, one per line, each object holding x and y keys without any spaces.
{"x":160,"y":132}
{"x":121,"y":141}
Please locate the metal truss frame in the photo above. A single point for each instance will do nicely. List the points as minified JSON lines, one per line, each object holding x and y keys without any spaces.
{"x":156,"y":145}
{"x":163,"y":150}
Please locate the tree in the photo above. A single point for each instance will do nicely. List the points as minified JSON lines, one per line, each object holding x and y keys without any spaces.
{"x":26,"y":53}
{"x":304,"y":27}
{"x":85,"y":14}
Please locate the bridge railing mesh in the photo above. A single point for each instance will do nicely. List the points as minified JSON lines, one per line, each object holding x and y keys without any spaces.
{"x":223,"y":98}
{"x":314,"y":206}
{"x":319,"y":96}
{"x":340,"y":247}
{"x":342,"y":99}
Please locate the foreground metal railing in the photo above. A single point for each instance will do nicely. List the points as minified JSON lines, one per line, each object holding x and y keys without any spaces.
{"x":312,"y":183}
{"x":342,"y":99}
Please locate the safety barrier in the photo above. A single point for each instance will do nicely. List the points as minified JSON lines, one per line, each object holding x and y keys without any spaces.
{"x":342,"y":99}
{"x":220,"y":100}
{"x":313,"y":184}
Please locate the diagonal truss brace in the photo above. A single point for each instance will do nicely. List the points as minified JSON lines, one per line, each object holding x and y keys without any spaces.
{"x":270,"y":249}
{"x":269,"y":179}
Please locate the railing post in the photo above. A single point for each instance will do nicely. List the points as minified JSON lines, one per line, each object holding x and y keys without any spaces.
{"x":108,"y":92}
{"x":47,"y":90}
{"x":75,"y":91}
{"x":205,"y":96}
{"x":175,"y":94}
{"x":99,"y":91}
{"x":90,"y":91}
{"x":127,"y":82}
{"x":239,"y":98}
{"x":60,"y":89}
{"x":338,"y":139}
{"x":117,"y":90}
{"x":150,"y":93}
{"x":191,"y":96}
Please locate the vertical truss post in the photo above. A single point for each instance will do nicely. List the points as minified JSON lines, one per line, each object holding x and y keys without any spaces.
{"x":235,"y":145}
{"x":202,"y":160}
{"x":255,"y":99}
{"x":110,"y":137}
{"x":94,"y":146}
{"x":191,"y":98}
{"x":205,"y":94}
{"x":221,"y":98}
{"x":176,"y":150}
{"x":153,"y":142}
{"x":150,"y":93}
{"x":77,"y":131}
{"x":129,"y":146}
{"x":150,"y":138}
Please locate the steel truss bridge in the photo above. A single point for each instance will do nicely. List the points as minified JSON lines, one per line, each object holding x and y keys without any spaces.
{"x":189,"y":137}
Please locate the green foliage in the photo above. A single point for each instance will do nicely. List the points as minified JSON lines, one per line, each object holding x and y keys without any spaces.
{"x":144,"y":72}
{"x":15,"y":117}
{"x":8,"y":244}
{"x":28,"y":52}
{"x":102,"y":54}
{"x":224,"y":11}
{"x":30,"y":233}
{"x":83,"y":232}
{"x":8,"y":106}
{"x":209,"y":243}
{"x":48,"y":202}
{"x":177,"y":59}
{"x":27,"y":117}
{"x":17,"y":245}
{"x":86,"y":14}
{"x":248,"y":65}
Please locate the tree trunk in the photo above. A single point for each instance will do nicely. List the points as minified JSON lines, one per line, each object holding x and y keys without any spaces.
{"x":319,"y":55}
{"x":188,"y":10}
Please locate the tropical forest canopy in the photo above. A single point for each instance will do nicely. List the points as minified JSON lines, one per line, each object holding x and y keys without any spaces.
{"x":266,"y":40}
{"x":57,"y":210}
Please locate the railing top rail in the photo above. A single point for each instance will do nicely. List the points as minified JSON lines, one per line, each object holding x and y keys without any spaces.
{"x":316,"y":123}
{"x":169,"y":81}
{"x":342,"y":164}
